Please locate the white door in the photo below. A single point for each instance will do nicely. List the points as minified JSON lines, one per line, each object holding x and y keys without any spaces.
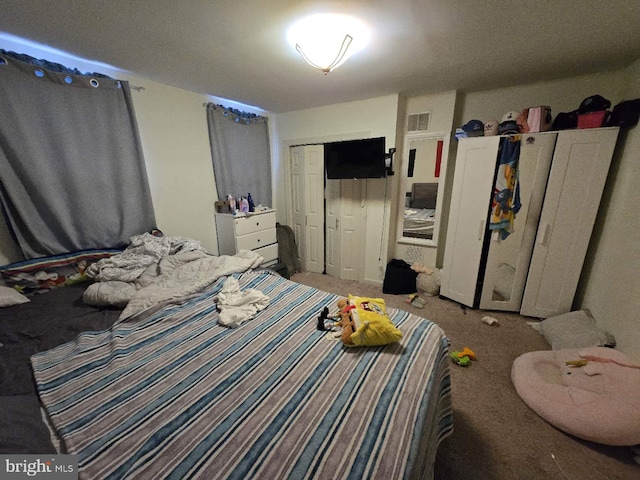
{"x":344,"y":221}
{"x":307,"y":172}
{"x":470,"y":203}
{"x":508,"y":259}
{"x":332,"y":226}
{"x":352,"y":226}
{"x":314,"y":207}
{"x":297,"y":200}
{"x":578,"y":174}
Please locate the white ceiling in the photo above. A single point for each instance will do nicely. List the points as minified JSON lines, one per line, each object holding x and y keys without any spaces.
{"x":237,"y":49}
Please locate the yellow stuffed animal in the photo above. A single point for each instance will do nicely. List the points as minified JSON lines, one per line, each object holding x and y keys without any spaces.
{"x":364,"y":322}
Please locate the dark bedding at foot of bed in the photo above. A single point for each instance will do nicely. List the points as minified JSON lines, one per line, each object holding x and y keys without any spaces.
{"x":48,"y":320}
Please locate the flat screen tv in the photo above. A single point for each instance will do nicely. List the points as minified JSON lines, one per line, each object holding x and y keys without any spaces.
{"x":355,"y":158}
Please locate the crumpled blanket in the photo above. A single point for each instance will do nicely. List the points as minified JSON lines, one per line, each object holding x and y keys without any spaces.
{"x":236,"y":306}
{"x":143,"y":251}
{"x":173,"y":278}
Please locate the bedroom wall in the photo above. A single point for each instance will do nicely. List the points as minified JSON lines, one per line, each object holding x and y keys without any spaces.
{"x":175,"y":141}
{"x":561,"y":95}
{"x":610,"y":282}
{"x":441,"y":107}
{"x":376,"y":117}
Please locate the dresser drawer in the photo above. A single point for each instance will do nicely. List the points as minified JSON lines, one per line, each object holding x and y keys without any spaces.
{"x":255,"y":240}
{"x":269,"y":253}
{"x":255,"y":223}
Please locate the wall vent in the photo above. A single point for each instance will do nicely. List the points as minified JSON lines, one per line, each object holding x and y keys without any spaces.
{"x":418,"y":122}
{"x":414,"y":254}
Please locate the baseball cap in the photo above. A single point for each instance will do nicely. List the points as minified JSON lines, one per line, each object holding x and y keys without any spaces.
{"x":490,"y":128}
{"x":594,"y":103}
{"x":509,"y":123}
{"x":509,"y":116}
{"x":474,"y":128}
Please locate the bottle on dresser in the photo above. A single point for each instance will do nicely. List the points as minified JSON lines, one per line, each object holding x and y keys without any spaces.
{"x":232,"y":204}
{"x":244,"y":205}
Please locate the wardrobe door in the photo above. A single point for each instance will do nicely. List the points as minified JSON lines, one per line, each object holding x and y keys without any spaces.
{"x":470,"y":202}
{"x":508,"y":259}
{"x":578,"y":174}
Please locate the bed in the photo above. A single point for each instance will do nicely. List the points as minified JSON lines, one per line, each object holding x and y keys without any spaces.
{"x":419,"y":212}
{"x":418,"y":222}
{"x":174,"y":394}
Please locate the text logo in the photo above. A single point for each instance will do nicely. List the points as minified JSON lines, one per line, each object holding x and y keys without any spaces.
{"x":50,"y":467}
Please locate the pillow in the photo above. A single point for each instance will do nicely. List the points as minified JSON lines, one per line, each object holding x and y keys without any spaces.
{"x":365,"y":323}
{"x":10,"y":296}
{"x":574,"y":330}
{"x":42,"y":274}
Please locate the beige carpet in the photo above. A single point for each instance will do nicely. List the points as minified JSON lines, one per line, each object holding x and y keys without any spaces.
{"x":496,"y":436}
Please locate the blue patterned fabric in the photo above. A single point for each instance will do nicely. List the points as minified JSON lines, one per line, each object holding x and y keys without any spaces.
{"x":506,"y":193}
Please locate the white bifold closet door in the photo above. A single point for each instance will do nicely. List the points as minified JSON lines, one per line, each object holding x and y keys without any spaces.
{"x":307,"y":179}
{"x":578,"y":174}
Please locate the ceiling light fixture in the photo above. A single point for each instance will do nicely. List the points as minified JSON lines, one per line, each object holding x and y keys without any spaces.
{"x":336,"y":61}
{"x":325,"y":41}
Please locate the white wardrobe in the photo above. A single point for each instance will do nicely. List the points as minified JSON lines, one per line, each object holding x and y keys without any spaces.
{"x":534,"y":270}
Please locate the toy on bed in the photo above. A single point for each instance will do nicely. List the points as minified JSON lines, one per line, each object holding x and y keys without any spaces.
{"x":364,"y":322}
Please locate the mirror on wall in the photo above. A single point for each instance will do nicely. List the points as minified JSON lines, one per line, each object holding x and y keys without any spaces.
{"x":423,"y":170}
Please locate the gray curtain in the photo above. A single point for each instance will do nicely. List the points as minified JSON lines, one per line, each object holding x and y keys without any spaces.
{"x":72,"y":173}
{"x":240,"y":152}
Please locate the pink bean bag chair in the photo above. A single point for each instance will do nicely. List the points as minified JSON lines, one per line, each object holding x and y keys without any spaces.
{"x":592,"y":393}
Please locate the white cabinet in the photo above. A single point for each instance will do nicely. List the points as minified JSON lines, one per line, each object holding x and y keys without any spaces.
{"x":535,"y":269}
{"x":255,"y":231}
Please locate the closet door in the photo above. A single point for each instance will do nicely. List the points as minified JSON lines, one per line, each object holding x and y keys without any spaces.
{"x":508,"y":259}
{"x":578,"y":174}
{"x":307,"y":178}
{"x":470,"y":202}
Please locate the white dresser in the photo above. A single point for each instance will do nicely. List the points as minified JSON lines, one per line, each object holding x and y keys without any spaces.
{"x":255,"y":231}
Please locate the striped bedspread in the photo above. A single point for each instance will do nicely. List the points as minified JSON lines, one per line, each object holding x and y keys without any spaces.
{"x":179,"y":396}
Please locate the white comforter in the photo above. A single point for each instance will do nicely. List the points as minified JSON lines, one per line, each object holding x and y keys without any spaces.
{"x":143,"y":250}
{"x":169,"y":277}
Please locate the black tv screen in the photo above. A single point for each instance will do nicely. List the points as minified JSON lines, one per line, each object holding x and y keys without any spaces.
{"x":355,"y":158}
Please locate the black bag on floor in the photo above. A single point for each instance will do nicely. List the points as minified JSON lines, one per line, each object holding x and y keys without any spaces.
{"x":399,"y":278}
